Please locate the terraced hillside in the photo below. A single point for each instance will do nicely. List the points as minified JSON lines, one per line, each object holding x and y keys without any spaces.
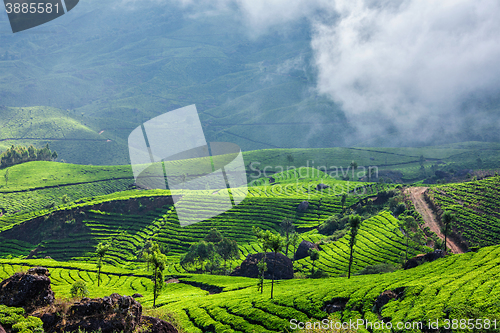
{"x":475,"y":204}
{"x":458,"y":287}
{"x":379,"y":241}
{"x":464,"y":286}
{"x":128,"y":219}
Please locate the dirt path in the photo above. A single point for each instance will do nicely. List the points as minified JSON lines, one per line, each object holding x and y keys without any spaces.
{"x":417,"y":197}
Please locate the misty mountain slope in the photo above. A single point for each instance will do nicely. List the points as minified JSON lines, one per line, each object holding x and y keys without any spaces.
{"x":125,"y":62}
{"x":73,"y":139}
{"x":149,"y":60}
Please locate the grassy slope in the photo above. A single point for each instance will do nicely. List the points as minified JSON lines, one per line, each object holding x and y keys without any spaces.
{"x":35,"y":185}
{"x":459,"y":286}
{"x":48,"y":174}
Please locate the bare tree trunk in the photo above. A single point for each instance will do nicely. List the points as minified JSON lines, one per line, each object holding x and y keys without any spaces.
{"x":274,"y":268}
{"x":99,"y":273}
{"x":154,"y":293}
{"x":350,"y":263}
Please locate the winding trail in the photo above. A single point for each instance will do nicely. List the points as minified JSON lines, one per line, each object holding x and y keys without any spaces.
{"x":417,"y":197}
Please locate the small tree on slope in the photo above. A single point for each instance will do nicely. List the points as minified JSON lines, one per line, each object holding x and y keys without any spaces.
{"x":448,"y":219}
{"x":355,"y":223}
{"x":313,"y":255}
{"x":158,"y":263}
{"x":101,"y":251}
{"x":286,"y":230}
{"x":275,"y":243}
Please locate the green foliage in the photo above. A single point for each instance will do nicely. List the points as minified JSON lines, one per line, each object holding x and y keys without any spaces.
{"x":214,"y":236}
{"x":158,"y":263}
{"x":332,"y":224}
{"x":198,"y":254}
{"x":275,"y":243}
{"x":17,"y":155}
{"x":262,"y":266}
{"x":313,"y":255}
{"x":101,"y":250}
{"x":227,"y":249}
{"x":469,"y":292}
{"x":409,"y":224}
{"x":286,"y":229}
{"x":79,"y":289}
{"x":15,"y":319}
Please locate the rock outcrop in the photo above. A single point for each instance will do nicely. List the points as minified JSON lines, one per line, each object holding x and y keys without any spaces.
{"x":321,"y":187}
{"x":420,"y":259}
{"x":28,"y":290}
{"x":283,"y":269}
{"x":303,"y":249}
{"x":108,"y":314}
{"x":386,"y":296}
{"x":303,"y":206}
{"x":155,"y":325}
{"x":115,"y":313}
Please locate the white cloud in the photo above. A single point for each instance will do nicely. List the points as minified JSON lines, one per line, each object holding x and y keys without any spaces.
{"x":412,"y":64}
{"x":406,"y":64}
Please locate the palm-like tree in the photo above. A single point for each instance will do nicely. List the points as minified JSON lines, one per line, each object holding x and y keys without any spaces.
{"x":448,"y":219}
{"x":313,"y":255}
{"x":354,"y":167}
{"x":355,"y":223}
{"x":275,"y":243}
{"x":286,"y":229}
{"x":294,"y":241}
{"x":343,"y":199}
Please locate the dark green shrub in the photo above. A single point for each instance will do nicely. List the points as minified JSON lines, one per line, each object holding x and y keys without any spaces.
{"x":79,"y":289}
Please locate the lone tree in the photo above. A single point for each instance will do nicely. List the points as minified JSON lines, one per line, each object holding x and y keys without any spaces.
{"x":294,"y":241}
{"x":145,"y":252}
{"x":158,"y":262}
{"x":286,"y":230}
{"x":262,"y":266}
{"x":101,"y":251}
{"x":228,"y":250}
{"x":343,"y":200}
{"x":354,"y":167}
{"x":408,"y":224}
{"x":274,"y":243}
{"x":79,"y":289}
{"x":355,"y":223}
{"x":448,"y":219}
{"x":313,"y":255}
